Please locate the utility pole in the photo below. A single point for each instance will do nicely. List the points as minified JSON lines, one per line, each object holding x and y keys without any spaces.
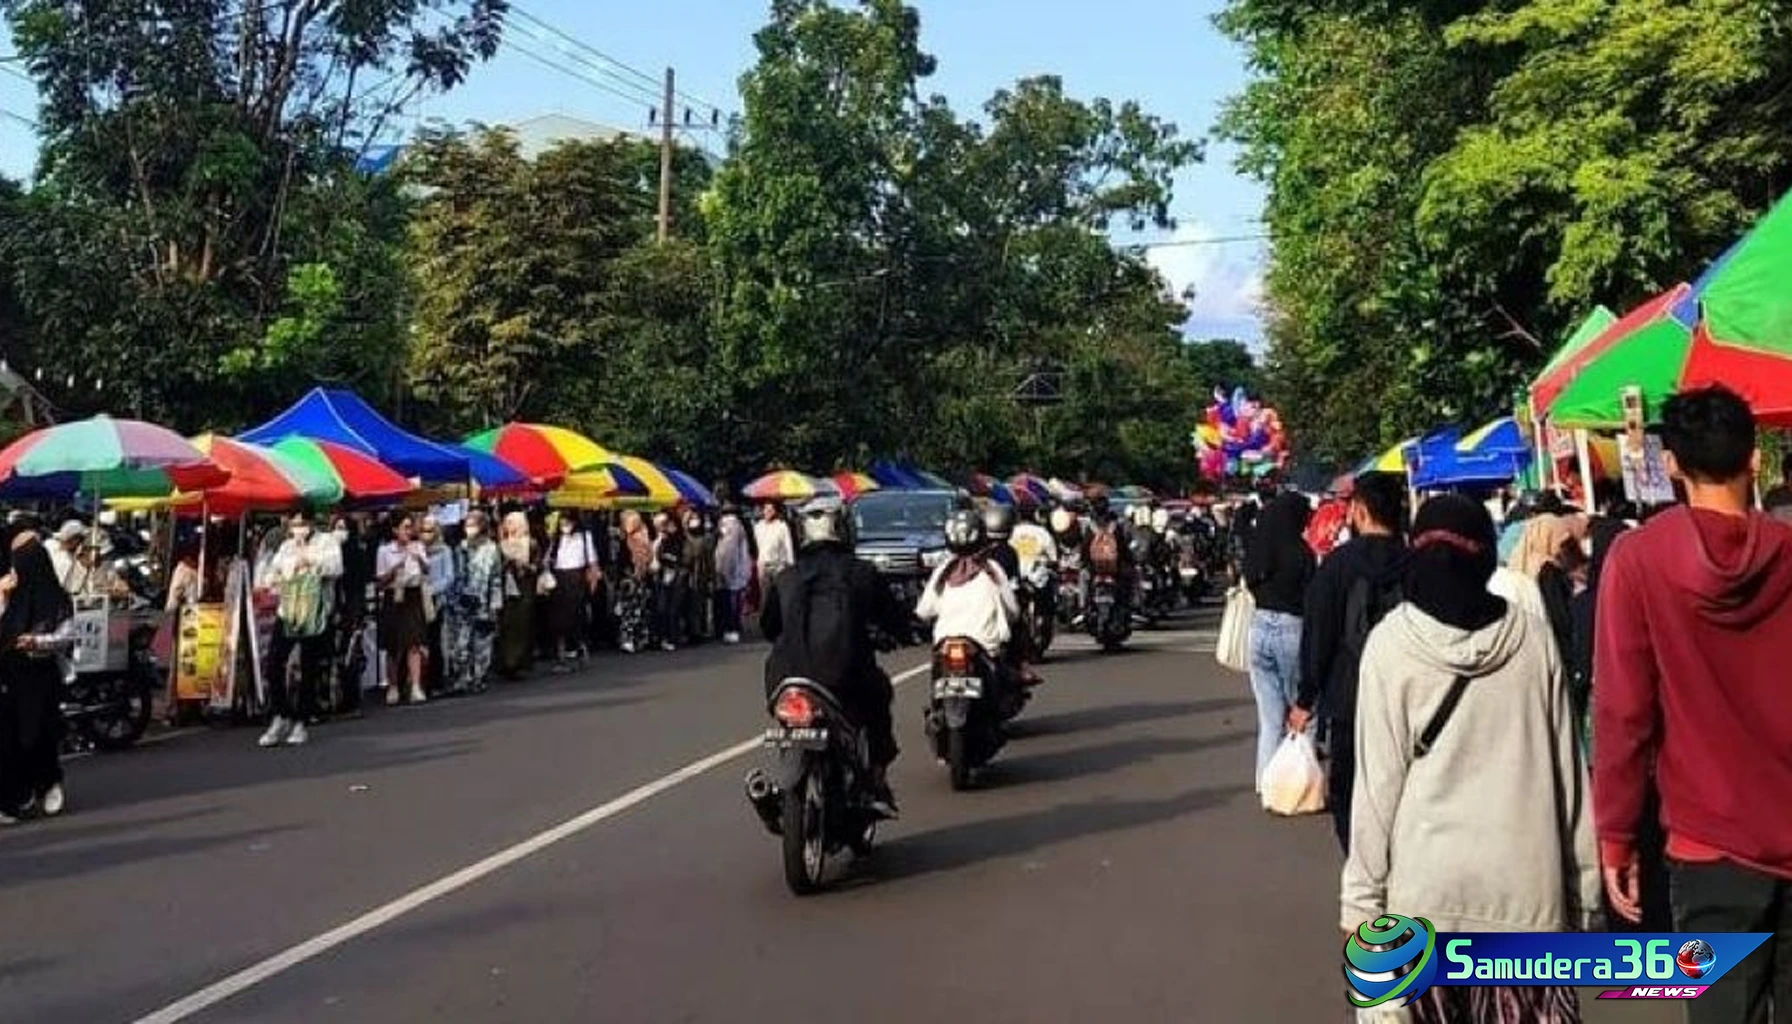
{"x":666,"y":159}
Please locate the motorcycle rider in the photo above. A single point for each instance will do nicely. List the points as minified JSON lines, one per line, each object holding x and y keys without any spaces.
{"x":1105,"y":523}
{"x":819,"y":615}
{"x":998,"y":528}
{"x":971,"y":595}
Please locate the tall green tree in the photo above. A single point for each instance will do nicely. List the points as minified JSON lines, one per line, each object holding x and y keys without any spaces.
{"x":196,"y":159}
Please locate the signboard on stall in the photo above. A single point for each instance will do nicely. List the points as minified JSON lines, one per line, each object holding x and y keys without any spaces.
{"x":201,"y":631}
{"x":1646,"y":479}
{"x":1561,"y":444}
{"x":230,"y":635}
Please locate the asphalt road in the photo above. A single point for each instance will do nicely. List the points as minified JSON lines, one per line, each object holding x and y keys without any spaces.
{"x":1114,"y":866}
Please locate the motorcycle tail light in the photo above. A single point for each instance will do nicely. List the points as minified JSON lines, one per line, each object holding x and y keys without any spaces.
{"x":956,"y":655}
{"x":794,"y":709}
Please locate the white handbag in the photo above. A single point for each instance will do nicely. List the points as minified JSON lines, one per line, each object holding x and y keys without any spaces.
{"x":1233,"y":649}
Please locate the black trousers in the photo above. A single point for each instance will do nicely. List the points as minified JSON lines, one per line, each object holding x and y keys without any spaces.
{"x":1723,"y":897}
{"x":31,"y":729}
{"x":314,"y":660}
{"x":1340,"y":776}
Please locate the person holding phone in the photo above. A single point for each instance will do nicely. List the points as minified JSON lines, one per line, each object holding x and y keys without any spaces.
{"x":402,"y":571}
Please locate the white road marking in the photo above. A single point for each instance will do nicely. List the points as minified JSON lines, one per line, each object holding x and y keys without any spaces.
{"x":285,"y":960}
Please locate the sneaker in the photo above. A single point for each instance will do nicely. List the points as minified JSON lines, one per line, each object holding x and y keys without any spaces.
{"x":7,"y":819}
{"x":54,"y":800}
{"x":668,"y":646}
{"x":276,"y":733}
{"x":391,"y":695}
{"x":298,"y":735}
{"x":731,"y":638}
{"x":417,"y":696}
{"x":628,"y":647}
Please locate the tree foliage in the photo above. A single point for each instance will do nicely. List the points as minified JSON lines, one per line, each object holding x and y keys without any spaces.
{"x":195,"y":162}
{"x":1453,"y":184}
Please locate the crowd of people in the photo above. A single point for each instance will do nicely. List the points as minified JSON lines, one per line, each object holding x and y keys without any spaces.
{"x":1564,"y":721}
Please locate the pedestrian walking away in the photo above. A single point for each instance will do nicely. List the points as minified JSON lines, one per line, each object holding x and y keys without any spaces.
{"x":1351,"y":592}
{"x":1278,"y":568}
{"x":1695,"y":608}
{"x":1467,"y":765}
{"x":36,"y":635}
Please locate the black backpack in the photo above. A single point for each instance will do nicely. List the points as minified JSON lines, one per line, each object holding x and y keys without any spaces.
{"x":1368,"y":601}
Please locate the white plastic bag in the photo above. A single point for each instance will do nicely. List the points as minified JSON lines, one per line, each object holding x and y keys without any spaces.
{"x":1233,"y":649}
{"x":1294,"y":783}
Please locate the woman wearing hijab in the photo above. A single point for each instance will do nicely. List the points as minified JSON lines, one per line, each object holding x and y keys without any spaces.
{"x":1471,"y":791}
{"x":734,"y":573}
{"x":1278,"y":565}
{"x":440,"y":586}
{"x":35,"y":637}
{"x":700,"y":580}
{"x":670,"y":581}
{"x":1537,"y":576}
{"x":516,"y":621}
{"x":633,"y":589}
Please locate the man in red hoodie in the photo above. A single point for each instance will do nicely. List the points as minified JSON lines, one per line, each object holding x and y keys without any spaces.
{"x":1691,"y":676}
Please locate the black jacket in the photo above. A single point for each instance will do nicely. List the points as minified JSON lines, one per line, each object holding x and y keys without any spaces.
{"x":836,"y":651}
{"x":1327,"y":677}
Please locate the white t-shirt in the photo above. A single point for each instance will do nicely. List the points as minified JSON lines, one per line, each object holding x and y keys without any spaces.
{"x":573,"y":552}
{"x":981,"y":608}
{"x":1033,"y":543}
{"x":775,"y":548}
{"x":411,"y":572}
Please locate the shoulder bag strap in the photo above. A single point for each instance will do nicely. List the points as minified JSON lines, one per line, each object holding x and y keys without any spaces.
{"x":1440,"y":717}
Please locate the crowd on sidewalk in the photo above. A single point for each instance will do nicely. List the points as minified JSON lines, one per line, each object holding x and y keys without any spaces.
{"x":1564,"y":721}
{"x":410,"y":606}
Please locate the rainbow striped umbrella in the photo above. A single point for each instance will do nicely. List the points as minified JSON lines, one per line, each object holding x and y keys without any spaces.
{"x":783,"y":485}
{"x":1391,"y":461}
{"x":1030,"y":485}
{"x":548,"y":454}
{"x":107,"y":458}
{"x":360,"y":477}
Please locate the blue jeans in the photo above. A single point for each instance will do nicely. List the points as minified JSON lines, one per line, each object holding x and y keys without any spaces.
{"x":1275,"y":677}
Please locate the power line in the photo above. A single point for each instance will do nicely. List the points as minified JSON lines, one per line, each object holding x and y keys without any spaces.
{"x":646,"y":80}
{"x":10,"y":116}
{"x":1179,"y":242}
{"x":613,"y":83}
{"x":16,"y":73}
{"x":581,"y":76}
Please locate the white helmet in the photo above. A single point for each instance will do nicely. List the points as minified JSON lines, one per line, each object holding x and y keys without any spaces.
{"x":1140,"y":515}
{"x":1160,"y":520}
{"x":823,"y":521}
{"x":1062,"y":520}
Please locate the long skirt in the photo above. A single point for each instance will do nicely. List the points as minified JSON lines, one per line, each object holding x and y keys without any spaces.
{"x":633,"y":625}
{"x":516,"y":636}
{"x":402,"y":626}
{"x":31,"y":729}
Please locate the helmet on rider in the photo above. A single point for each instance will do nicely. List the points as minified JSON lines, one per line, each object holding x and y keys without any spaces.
{"x":1160,"y":520}
{"x":998,"y":521}
{"x":822,"y":521}
{"x":964,"y":532}
{"x":1062,"y":520}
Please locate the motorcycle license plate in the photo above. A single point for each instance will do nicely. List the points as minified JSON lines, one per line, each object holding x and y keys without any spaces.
{"x":781,"y":737}
{"x":957,"y":686}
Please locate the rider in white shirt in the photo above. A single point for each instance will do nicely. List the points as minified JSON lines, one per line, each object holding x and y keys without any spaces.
{"x":1033,"y":544}
{"x":969,"y":596}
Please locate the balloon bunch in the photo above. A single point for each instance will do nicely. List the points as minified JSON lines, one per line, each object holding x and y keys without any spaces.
{"x":1239,"y":437}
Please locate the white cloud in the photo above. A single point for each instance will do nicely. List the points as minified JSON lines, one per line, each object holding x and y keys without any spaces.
{"x":1221,"y":283}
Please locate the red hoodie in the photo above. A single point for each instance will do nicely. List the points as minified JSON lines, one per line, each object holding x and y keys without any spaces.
{"x":1691,"y":670}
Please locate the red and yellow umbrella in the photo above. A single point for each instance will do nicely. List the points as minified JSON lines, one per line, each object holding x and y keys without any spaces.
{"x":851,"y":485}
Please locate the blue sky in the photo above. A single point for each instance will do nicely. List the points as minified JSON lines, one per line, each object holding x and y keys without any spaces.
{"x":1164,"y":53}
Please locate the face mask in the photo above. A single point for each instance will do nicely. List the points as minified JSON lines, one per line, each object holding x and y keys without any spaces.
{"x":565,"y":528}
{"x":474,"y":531}
{"x":340,"y":533}
{"x":301,"y":533}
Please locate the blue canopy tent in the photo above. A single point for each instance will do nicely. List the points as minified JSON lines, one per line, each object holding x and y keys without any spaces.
{"x":688,"y":488}
{"x":1489,"y":457}
{"x":490,"y":472}
{"x":342,"y":417}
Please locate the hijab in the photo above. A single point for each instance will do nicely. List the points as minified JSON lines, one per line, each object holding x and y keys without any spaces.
{"x":38,"y":604}
{"x":1454,"y":554}
{"x":640,"y":545}
{"x":516,"y":542}
{"x":733,"y":559}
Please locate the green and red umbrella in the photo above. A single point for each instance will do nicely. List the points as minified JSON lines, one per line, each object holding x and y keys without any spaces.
{"x":105,"y":458}
{"x":360,"y":477}
{"x":261,"y":480}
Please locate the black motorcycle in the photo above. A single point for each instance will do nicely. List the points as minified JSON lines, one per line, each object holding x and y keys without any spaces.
{"x":972,"y":698}
{"x":818,"y":797}
{"x":109,"y":709}
{"x":1108,"y":620}
{"x":1038,"y":594}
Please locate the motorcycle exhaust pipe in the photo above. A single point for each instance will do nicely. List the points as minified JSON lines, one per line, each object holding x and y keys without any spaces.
{"x":766,"y":799}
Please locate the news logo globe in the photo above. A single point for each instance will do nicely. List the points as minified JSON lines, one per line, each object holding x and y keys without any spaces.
{"x":1696,"y":958}
{"x":1390,"y":960}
